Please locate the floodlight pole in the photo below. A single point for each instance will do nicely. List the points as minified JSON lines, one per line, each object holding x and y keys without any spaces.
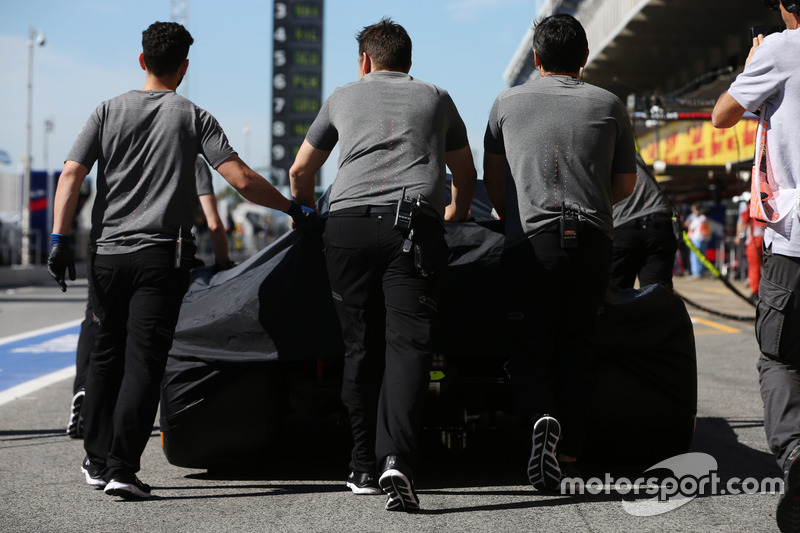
{"x":25,"y":223}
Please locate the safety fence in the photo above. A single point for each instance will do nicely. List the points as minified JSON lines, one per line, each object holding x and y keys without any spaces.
{"x":715,"y":272}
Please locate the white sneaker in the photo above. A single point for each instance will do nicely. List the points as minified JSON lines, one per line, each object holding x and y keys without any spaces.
{"x":362,"y":483}
{"x":92,"y":474}
{"x":135,"y":490}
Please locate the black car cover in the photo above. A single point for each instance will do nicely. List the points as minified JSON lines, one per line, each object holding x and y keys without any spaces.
{"x":221,"y":392}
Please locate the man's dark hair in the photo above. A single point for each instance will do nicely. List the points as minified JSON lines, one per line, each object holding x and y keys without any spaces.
{"x":387,"y":44}
{"x":560,"y":43}
{"x":165,"y":46}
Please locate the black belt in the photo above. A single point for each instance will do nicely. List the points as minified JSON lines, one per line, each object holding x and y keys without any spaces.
{"x":657,"y":216}
{"x":643,"y":221}
{"x":365,"y":211}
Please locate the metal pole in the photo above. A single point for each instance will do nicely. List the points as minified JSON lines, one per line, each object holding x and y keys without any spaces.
{"x":25,"y":222}
{"x":48,"y":128}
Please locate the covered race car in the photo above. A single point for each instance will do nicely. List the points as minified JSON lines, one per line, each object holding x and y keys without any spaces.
{"x":257,"y":350}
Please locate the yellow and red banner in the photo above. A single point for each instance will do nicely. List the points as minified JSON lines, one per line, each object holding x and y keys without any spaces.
{"x":700,"y":143}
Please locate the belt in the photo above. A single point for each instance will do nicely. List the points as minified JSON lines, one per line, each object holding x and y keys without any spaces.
{"x":365,"y":211}
{"x":643,"y":221}
{"x":657,"y":216}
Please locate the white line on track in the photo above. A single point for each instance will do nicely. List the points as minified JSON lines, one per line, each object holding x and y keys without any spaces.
{"x":23,"y":389}
{"x":33,"y":385}
{"x":43,"y":331}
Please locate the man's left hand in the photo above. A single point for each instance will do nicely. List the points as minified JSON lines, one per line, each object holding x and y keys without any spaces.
{"x":59,"y":262}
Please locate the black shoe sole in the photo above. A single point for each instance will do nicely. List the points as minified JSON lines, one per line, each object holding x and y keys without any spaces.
{"x":75,"y":426}
{"x":543,"y":470}
{"x":401,"y":493}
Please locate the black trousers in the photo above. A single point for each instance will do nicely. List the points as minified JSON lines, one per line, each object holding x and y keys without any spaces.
{"x":646,"y":248}
{"x":136,"y":298}
{"x":553,"y":296}
{"x":778,"y":334}
{"x":387,"y":312}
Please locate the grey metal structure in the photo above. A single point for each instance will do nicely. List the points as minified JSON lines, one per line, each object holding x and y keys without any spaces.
{"x":680,"y":48}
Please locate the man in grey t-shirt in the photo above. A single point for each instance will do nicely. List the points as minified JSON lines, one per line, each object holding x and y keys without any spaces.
{"x":558,"y":154}
{"x":645,"y":242}
{"x":208,"y":204}
{"x":145,"y":144}
{"x":396,"y":134}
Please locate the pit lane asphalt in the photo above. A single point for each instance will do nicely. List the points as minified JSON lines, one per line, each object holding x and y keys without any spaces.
{"x":42,"y":489}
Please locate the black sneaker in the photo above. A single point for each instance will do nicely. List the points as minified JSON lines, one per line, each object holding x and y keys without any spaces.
{"x":543,"y":470}
{"x":92,"y":474}
{"x":128,"y":488}
{"x":362,"y":483}
{"x":400,"y":488}
{"x":788,"y":512}
{"x":75,"y":426}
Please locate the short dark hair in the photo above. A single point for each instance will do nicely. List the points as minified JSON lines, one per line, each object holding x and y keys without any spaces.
{"x":560,"y":43}
{"x":387,"y":44}
{"x":165,"y":46}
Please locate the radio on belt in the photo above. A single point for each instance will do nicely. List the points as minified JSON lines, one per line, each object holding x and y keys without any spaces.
{"x":569,"y":228}
{"x":406,"y":208}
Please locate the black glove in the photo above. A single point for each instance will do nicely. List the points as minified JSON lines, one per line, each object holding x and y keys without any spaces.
{"x":219,"y":268}
{"x":59,"y":261}
{"x":301,"y":215}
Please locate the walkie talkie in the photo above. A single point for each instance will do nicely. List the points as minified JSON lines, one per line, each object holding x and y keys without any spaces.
{"x":569,"y":227}
{"x":405,"y":212}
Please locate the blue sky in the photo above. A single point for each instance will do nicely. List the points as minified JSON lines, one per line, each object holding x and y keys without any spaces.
{"x":92,"y":46}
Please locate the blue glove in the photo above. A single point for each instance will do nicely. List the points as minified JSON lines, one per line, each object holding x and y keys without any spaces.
{"x":301,"y":215}
{"x":60,"y":260}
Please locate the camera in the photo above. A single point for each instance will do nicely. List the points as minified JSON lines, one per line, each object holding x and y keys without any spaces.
{"x":764,"y":30}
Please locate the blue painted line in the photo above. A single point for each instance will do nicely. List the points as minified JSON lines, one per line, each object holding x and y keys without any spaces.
{"x":38,"y":354}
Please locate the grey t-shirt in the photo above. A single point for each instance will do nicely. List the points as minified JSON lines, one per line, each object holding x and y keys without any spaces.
{"x":647,"y":197}
{"x":146,"y":144}
{"x":562,"y":139}
{"x":393,"y":132}
{"x":203,"y":178}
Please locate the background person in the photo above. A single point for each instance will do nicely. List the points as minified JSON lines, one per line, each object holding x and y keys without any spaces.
{"x":698,"y":229}
{"x":88,"y":333}
{"x":770,"y":85}
{"x":751,"y":231}
{"x":396,"y":134}
{"x":644,"y":243}
{"x":145,"y":143}
{"x":208,"y":204}
{"x":570,"y":152}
